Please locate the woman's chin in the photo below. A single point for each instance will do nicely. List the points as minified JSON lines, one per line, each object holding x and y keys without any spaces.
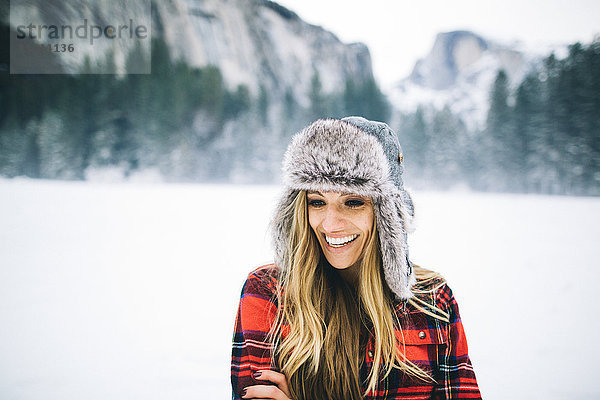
{"x":342,"y":264}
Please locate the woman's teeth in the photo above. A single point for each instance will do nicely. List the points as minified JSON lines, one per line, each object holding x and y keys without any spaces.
{"x":339,"y":242}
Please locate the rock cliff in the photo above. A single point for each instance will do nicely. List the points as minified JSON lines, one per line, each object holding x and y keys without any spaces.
{"x":459,"y":71}
{"x":257,"y":43}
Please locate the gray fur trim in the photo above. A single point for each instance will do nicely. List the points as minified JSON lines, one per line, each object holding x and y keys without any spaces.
{"x":281,"y":226}
{"x":341,"y":156}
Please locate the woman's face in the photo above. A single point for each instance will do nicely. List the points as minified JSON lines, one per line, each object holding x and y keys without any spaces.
{"x":342,"y":223}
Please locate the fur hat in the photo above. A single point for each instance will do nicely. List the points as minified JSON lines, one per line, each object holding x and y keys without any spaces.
{"x":358,"y":156}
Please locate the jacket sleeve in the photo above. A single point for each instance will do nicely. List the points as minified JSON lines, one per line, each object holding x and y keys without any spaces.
{"x":456,"y":370}
{"x":251,"y":350}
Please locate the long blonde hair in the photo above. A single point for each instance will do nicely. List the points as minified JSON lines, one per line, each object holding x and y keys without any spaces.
{"x":316,"y":336}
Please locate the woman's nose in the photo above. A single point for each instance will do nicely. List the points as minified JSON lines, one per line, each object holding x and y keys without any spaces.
{"x":333,"y":220}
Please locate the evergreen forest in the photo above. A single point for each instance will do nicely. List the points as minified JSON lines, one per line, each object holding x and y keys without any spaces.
{"x":542,"y":136}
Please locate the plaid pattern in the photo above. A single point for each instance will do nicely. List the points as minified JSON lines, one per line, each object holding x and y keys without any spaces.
{"x":437,"y":347}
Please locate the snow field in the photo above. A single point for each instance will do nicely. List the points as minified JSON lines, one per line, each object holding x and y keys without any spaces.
{"x":116,"y":291}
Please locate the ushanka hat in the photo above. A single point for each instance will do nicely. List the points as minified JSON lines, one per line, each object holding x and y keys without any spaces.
{"x":359,"y":156}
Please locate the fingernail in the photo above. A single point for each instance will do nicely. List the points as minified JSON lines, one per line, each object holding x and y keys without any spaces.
{"x":257,"y":375}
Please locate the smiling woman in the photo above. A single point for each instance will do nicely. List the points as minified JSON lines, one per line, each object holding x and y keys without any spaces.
{"x":343,"y":313}
{"x":342,"y":224}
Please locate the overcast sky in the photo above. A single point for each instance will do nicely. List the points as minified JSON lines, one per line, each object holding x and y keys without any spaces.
{"x":398,"y":32}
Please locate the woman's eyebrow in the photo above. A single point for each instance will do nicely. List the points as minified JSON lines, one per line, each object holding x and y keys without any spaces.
{"x":346,"y":194}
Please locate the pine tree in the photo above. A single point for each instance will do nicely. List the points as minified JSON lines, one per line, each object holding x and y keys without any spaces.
{"x":445,"y":149}
{"x":318,"y":107}
{"x":365,"y":99}
{"x":530,"y":133}
{"x":415,"y":138}
{"x":13,"y":148}
{"x":498,"y":143}
{"x":58,"y":158}
{"x":263,"y":105}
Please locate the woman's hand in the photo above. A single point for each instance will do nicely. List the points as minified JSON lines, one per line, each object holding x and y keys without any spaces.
{"x":267,"y":391}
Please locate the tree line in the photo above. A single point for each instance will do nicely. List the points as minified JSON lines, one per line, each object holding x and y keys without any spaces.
{"x":180,"y":120}
{"x":56,"y":126}
{"x":542,"y":136}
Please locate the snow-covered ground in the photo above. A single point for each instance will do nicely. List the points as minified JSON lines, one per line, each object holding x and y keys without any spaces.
{"x":125,"y":291}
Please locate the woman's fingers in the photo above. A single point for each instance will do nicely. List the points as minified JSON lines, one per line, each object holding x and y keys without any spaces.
{"x":275,"y":377}
{"x":267,"y":392}
{"x":279,"y":391}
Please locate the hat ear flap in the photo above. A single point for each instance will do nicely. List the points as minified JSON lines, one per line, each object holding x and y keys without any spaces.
{"x":406,"y":210}
{"x":281,"y":227}
{"x":397,"y":269}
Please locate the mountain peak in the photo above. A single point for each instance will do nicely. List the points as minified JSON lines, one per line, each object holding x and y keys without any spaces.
{"x":458,"y":72}
{"x":452,"y":52}
{"x":284,"y":12}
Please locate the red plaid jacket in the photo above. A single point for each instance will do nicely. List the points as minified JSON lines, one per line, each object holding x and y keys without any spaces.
{"x":437,"y":347}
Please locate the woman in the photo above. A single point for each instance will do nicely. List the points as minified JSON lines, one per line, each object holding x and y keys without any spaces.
{"x":343,"y":313}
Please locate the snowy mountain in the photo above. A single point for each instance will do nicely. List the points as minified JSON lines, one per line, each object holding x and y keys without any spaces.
{"x":459,"y":71}
{"x":257,"y":43}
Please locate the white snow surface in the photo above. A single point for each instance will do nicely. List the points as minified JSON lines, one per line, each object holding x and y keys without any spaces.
{"x":129,"y":291}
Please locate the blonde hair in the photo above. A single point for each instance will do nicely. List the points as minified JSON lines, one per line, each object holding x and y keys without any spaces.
{"x":322,"y":316}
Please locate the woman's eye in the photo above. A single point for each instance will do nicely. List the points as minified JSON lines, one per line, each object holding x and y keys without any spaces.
{"x":316,"y":203}
{"x":354,"y":203}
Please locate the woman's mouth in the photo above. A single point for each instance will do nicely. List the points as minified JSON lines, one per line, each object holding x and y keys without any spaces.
{"x":340,"y":241}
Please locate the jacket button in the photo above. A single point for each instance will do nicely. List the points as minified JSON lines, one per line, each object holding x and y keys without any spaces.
{"x":422,"y":335}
